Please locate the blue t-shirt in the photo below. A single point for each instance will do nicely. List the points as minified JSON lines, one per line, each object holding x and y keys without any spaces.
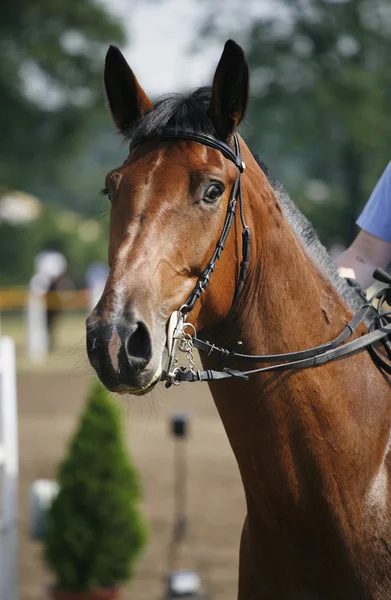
{"x":376,"y":216}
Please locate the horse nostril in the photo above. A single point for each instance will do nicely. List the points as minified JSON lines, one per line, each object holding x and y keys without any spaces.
{"x":138,"y":345}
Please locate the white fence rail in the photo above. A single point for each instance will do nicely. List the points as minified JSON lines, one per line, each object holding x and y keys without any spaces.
{"x":8,"y":473}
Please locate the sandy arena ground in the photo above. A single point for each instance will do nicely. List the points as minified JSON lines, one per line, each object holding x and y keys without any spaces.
{"x":49,"y":406}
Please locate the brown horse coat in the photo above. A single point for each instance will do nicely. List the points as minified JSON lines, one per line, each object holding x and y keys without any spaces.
{"x":312,"y":446}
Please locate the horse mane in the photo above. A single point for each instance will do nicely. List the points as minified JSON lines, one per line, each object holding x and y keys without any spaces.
{"x":190,"y":112}
{"x":351,"y":292}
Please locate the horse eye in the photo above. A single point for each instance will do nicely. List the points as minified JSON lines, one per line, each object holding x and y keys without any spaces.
{"x":213,"y":192}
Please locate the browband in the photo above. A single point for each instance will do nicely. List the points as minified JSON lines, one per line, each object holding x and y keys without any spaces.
{"x":186,"y":134}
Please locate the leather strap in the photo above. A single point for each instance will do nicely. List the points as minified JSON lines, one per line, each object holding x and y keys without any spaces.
{"x":236,"y":194}
{"x":380,"y":331}
{"x":316,"y":361}
{"x":223,"y":354}
{"x":185,"y":134}
{"x":210,"y":375}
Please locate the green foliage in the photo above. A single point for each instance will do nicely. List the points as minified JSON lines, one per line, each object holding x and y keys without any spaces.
{"x":320,"y":97}
{"x":51,"y":91}
{"x":16,"y":259}
{"x":94,"y":531}
{"x":81,"y":240}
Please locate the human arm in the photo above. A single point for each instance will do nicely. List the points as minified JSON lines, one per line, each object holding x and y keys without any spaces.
{"x":372,"y":246}
{"x":364,"y":255}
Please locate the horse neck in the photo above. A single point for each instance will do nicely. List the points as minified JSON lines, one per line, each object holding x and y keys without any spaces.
{"x":288,"y":301}
{"x":286,"y":428}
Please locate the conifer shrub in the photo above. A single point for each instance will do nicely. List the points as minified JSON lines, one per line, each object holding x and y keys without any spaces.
{"x":95,"y":531}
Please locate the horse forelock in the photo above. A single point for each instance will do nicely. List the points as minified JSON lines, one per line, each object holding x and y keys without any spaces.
{"x":176,"y":110}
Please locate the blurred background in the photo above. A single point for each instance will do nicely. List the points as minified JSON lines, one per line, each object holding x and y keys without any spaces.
{"x":318,"y":117}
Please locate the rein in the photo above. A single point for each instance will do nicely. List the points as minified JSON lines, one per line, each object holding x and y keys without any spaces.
{"x":380,"y":329}
{"x":179,"y":339}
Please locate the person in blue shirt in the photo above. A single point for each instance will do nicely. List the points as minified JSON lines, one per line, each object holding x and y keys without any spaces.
{"x":372,"y":246}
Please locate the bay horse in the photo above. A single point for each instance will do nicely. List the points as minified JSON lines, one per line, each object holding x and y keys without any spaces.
{"x":312,"y":445}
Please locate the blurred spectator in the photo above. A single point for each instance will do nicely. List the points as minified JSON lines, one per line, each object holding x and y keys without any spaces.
{"x":51,"y":277}
{"x":54,"y":305}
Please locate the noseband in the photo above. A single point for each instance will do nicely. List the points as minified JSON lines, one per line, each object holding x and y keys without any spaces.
{"x":180,"y":339}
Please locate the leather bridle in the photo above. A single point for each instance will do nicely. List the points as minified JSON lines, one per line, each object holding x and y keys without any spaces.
{"x":379,"y":328}
{"x":236,"y":193}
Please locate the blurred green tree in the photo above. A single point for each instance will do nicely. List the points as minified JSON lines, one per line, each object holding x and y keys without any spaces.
{"x":321,"y":97}
{"x":51,"y":92}
{"x":95,"y":531}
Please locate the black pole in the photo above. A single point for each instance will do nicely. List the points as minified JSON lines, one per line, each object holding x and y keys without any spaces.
{"x":179,"y":428}
{"x":181,"y":582}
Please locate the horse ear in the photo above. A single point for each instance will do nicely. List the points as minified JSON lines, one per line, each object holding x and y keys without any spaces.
{"x":127,"y":99}
{"x":229,"y":90}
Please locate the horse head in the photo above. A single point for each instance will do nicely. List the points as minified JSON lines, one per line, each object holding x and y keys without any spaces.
{"x":169,"y":203}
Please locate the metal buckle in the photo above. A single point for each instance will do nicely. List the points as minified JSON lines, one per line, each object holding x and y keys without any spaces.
{"x":179,"y":339}
{"x":173,"y":378}
{"x":174,"y":343}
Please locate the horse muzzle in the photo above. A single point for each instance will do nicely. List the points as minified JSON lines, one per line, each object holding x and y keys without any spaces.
{"x":120,"y":351}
